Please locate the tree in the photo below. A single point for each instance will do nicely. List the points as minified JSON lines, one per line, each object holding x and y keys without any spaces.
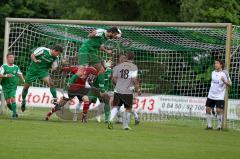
{"x":210,"y":11}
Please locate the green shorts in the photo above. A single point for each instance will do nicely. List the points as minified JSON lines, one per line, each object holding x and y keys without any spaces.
{"x":33,"y":75}
{"x":9,"y":93}
{"x":85,"y":58}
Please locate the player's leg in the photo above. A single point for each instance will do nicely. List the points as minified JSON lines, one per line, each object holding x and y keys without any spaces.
{"x":219,"y":110}
{"x":30,"y":77}
{"x":106,"y":100}
{"x":116,"y":104}
{"x":7,"y":98}
{"x":78,"y":107}
{"x":209,"y":105}
{"x":53,"y":90}
{"x":58,"y":106}
{"x":86,"y":104}
{"x":127,"y":100}
{"x":14,"y":105}
{"x":10,"y":100}
{"x":134,"y":113}
{"x":13,"y":102}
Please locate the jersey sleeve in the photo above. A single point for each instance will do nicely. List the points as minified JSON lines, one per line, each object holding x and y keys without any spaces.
{"x":100,"y":32}
{"x":2,"y":70}
{"x":19,"y":71}
{"x":134,"y":72}
{"x":38,"y":51}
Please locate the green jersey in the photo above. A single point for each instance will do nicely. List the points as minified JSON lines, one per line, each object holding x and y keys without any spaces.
{"x":47,"y":60}
{"x":93,"y":44}
{"x":10,"y":82}
{"x":103,"y":81}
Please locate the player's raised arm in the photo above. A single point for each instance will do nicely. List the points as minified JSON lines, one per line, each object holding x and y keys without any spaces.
{"x":103,"y":48}
{"x":37,"y":52}
{"x":92,"y":34}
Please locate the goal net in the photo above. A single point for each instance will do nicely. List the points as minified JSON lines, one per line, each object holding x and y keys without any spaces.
{"x":175,"y":60}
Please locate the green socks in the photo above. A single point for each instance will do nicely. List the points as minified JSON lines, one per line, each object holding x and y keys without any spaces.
{"x":106,"y":111}
{"x":24,"y":94}
{"x":53,"y":92}
{"x":14,"y":109}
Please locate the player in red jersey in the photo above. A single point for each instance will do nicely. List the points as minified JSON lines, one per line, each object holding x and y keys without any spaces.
{"x":76,"y":87}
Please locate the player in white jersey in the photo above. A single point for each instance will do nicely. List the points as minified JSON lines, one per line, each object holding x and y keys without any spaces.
{"x":220,"y":80}
{"x":125,"y":78}
{"x":119,"y":120}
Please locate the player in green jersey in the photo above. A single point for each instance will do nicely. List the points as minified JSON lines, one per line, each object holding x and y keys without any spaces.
{"x":10,"y":74}
{"x":42,"y":60}
{"x":103,"y":83}
{"x":87,"y":54}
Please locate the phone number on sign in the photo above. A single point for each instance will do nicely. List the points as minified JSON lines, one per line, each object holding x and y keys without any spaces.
{"x":150,"y":104}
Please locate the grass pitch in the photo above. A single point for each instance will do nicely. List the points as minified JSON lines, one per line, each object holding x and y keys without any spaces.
{"x":30,"y":137}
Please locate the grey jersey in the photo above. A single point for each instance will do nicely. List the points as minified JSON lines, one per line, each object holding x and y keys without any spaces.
{"x":124,"y":73}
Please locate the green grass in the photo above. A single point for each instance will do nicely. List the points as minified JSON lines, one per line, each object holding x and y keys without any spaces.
{"x":30,"y":137}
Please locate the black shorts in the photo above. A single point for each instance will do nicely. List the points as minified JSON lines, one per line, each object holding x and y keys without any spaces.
{"x":212,"y":103}
{"x":123,"y":99}
{"x":78,"y":93}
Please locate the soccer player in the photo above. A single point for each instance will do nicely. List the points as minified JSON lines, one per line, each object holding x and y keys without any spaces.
{"x":42,"y":60}
{"x":125,"y":78}
{"x":9,"y":73}
{"x":125,"y":58}
{"x":220,"y":80}
{"x":87,"y":54}
{"x":77,"y":87}
{"x":103,"y":83}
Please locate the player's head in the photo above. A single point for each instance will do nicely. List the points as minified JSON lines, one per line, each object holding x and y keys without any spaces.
{"x":219,"y":65}
{"x":56,"y":50}
{"x":122,"y":58}
{"x":130,"y":56}
{"x":114,"y":33}
{"x":10,"y":58}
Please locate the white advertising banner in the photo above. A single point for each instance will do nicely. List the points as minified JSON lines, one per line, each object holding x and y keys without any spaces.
{"x":41,"y":97}
{"x":189,"y":106}
{"x":184,"y":105}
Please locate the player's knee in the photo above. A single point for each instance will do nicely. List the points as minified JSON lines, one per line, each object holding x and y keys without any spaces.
{"x":129,"y":109}
{"x":208,"y":110}
{"x":51,"y":84}
{"x":105,"y":98}
{"x":219,"y":110}
{"x":26,"y":86}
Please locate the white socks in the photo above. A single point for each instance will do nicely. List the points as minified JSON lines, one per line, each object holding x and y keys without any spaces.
{"x":114,"y":112}
{"x":209,"y":120}
{"x":219,"y":120}
{"x":135,"y":114}
{"x":126,"y":119}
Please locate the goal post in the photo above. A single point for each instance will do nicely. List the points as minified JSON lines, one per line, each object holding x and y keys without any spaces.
{"x":174,"y":58}
{"x":227,"y":65}
{"x":6,"y":42}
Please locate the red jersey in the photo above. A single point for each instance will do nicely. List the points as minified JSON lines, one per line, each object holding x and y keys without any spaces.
{"x":87,"y":74}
